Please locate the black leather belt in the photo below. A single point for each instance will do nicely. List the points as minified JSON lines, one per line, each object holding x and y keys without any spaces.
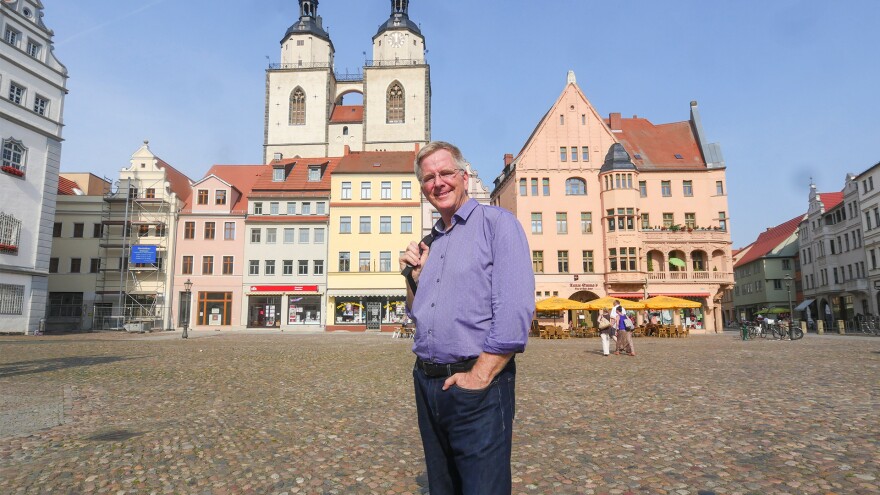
{"x":437,"y":370}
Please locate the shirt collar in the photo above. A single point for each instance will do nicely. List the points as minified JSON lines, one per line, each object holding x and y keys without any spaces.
{"x":461,"y":215}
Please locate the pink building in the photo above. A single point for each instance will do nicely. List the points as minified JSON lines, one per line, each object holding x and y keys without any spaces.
{"x":210,"y":248}
{"x":622,"y":207}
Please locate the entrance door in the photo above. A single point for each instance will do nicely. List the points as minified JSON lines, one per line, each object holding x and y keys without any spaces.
{"x":101,"y":310}
{"x":374,"y":315}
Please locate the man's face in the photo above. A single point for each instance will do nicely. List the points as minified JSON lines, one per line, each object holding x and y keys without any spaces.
{"x":443,"y":183}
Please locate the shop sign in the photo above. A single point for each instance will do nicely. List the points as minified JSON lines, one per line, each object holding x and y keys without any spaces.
{"x":284,"y":288}
{"x":583,"y":286}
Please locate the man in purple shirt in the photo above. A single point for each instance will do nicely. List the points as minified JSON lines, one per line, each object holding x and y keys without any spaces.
{"x":472,"y":310}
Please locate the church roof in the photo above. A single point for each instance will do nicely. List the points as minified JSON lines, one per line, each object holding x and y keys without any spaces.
{"x":398,"y":22}
{"x":347,"y":114}
{"x":377,"y":162}
{"x":656,"y":147}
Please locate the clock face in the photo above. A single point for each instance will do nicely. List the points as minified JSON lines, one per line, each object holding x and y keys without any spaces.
{"x":397,"y":39}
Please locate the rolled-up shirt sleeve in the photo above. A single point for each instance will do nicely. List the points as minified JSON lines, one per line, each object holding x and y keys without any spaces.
{"x":513,"y":288}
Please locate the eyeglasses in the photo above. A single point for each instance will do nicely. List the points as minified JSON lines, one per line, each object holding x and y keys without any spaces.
{"x":445,"y":175}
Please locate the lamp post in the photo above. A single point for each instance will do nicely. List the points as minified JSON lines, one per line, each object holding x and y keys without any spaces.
{"x":188,"y":285}
{"x":788,"y":281}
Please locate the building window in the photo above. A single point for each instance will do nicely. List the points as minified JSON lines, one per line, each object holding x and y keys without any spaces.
{"x":574,"y":153}
{"x":78,"y":229}
{"x":318,"y":267}
{"x":406,"y":225}
{"x":209,"y":230}
{"x":575,"y":187}
{"x":406,"y":190}
{"x":253,"y":267}
{"x":291,"y":208}
{"x":786,"y":264}
{"x":523,"y":187}
{"x":562,"y":120}
{"x":395,"y":104}
{"x":537,"y":224}
{"x":11,"y":36}
{"x":11,"y":299}
{"x":314,"y":174}
{"x":668,"y":220}
{"x":722,"y":220}
{"x":321,"y":208}
{"x":95,"y":265}
{"x":258,"y":208}
{"x":228,"y":265}
{"x":562,"y":261}
{"x":586,"y":222}
{"x":53,"y":265}
{"x":646,"y":222}
{"x":345,"y":261}
{"x":545,"y":185}
{"x":384,"y":225}
{"x":202,"y":197}
{"x":688,"y":188}
{"x":365,"y":225}
{"x":75,"y":265}
{"x":719,"y":188}
{"x":207,"y":265}
{"x":364,"y":261}
{"x":286,"y":267}
{"x":666,"y":188}
{"x":41,"y":105}
{"x":16,"y":93}
{"x":386,"y":190}
{"x":302,"y":267}
{"x":585,"y":153}
{"x":97,"y":230}
{"x":385,"y":261}
{"x":538,"y":261}
{"x":366,"y":190}
{"x":345,"y":225}
{"x":534,"y":187}
{"x":271,"y":236}
{"x":319,"y":235}
{"x":229,"y":231}
{"x":269,"y":267}
{"x":278,"y":174}
{"x":588,"y":262}
{"x":189,"y":230}
{"x":561,"y":223}
{"x":255,"y":235}
{"x":220,"y":197}
{"x":289,"y":235}
{"x":304,"y":234}
{"x":690,"y":220}
{"x":187,"y":265}
{"x":563,"y":154}
{"x":298,"y":107}
{"x":143,"y":230}
{"x":346,"y":190}
{"x":13,"y":157}
{"x":274,"y":208}
{"x":306,"y":208}
{"x":643,"y":189}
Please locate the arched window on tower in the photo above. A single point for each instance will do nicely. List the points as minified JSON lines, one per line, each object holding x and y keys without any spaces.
{"x":298,"y":107}
{"x":395,"y":104}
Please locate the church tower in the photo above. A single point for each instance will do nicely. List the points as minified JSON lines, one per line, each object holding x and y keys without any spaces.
{"x":397,"y":102}
{"x":305,"y":114}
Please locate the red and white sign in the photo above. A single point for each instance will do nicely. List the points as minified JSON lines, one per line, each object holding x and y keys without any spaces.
{"x":284,"y":288}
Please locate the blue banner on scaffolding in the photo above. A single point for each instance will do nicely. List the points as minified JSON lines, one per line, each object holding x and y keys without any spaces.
{"x":143,"y":254}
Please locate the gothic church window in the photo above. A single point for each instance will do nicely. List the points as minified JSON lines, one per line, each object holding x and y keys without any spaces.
{"x":298,"y":107}
{"x":395,"y":104}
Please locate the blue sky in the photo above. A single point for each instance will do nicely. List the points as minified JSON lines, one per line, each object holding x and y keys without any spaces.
{"x":789,"y":88}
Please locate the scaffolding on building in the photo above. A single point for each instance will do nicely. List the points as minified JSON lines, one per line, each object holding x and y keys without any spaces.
{"x":133,"y":277}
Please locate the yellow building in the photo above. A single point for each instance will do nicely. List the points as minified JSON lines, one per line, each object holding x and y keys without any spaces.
{"x":375,"y":211}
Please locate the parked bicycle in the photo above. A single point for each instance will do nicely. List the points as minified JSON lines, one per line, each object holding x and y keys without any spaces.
{"x":784,"y":332}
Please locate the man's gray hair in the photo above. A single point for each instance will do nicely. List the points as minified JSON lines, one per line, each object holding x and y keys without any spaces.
{"x":435,"y":146}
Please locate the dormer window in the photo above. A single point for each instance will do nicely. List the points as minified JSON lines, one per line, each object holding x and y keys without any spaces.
{"x":314,"y":174}
{"x":278,"y":174}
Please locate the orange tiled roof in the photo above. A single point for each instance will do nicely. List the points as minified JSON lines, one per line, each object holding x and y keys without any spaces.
{"x":342,"y":114}
{"x":377,"y":162}
{"x":66,"y":186}
{"x":242,"y":177}
{"x":769,"y":240}
{"x":297,"y":171}
{"x":830,"y":200}
{"x":656,"y":146}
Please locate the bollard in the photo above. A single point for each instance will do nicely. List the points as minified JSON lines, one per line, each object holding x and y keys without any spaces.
{"x":804,"y":327}
{"x":745,"y":332}
{"x":820,"y":327}
{"x":841,"y":327}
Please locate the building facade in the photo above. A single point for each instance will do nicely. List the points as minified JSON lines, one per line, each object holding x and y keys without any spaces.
{"x":834,"y":272}
{"x":869,"y":203}
{"x":33,"y":84}
{"x":305,"y":114}
{"x":375,"y":212}
{"x":621,"y":207}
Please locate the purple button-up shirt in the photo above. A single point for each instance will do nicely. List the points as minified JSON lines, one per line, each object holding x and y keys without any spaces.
{"x":476,"y":290}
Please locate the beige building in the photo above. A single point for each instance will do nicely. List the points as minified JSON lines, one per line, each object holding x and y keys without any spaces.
{"x":305,"y":114}
{"x":375,"y":211}
{"x":74,"y":266}
{"x":622,"y":207}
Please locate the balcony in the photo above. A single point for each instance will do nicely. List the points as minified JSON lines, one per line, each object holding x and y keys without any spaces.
{"x":858,"y":284}
{"x":674,"y":277}
{"x":650,"y":236}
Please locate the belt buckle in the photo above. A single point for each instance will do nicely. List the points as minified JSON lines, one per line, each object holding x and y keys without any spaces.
{"x":449,"y":369}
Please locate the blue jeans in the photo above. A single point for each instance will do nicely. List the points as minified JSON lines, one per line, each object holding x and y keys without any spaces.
{"x":467,"y":434}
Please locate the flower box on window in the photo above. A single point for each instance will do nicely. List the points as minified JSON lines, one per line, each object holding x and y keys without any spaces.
{"x":11,"y":248}
{"x":12,"y":170}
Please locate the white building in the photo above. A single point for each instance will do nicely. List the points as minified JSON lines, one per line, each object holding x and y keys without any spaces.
{"x":32,"y":86}
{"x":869,"y":203}
{"x":305,"y":114}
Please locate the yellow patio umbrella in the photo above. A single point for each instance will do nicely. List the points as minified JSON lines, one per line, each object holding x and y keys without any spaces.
{"x":557,"y":304}
{"x":607,"y":301}
{"x":669,"y":302}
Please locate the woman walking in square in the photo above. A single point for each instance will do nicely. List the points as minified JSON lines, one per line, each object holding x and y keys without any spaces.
{"x":624,"y":336}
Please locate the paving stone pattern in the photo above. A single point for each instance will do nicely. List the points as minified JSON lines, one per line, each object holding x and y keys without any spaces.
{"x":334,"y":414}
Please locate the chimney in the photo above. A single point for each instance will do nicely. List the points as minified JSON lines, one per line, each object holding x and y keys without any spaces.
{"x":346,"y":150}
{"x":277,"y":157}
{"x":614,"y":121}
{"x":508,"y":159}
{"x":418,"y":146}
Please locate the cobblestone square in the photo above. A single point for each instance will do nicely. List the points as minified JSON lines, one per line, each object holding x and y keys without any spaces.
{"x":225,"y":413}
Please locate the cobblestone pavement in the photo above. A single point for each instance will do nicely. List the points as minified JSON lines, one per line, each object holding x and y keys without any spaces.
{"x":334,"y":414}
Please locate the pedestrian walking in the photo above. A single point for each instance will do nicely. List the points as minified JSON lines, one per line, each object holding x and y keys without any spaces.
{"x":624,"y":333}
{"x":471,"y":296}
{"x":606,"y":332}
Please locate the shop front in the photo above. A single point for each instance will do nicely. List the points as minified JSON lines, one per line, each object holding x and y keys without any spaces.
{"x":368,"y":312}
{"x":276,"y":306}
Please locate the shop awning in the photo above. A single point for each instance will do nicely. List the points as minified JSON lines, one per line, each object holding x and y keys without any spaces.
{"x":366,"y":292}
{"x":802,"y":306}
{"x":681,"y":294}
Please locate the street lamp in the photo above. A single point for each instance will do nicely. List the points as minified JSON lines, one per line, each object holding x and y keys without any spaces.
{"x":788,"y":280}
{"x":188,"y":285}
